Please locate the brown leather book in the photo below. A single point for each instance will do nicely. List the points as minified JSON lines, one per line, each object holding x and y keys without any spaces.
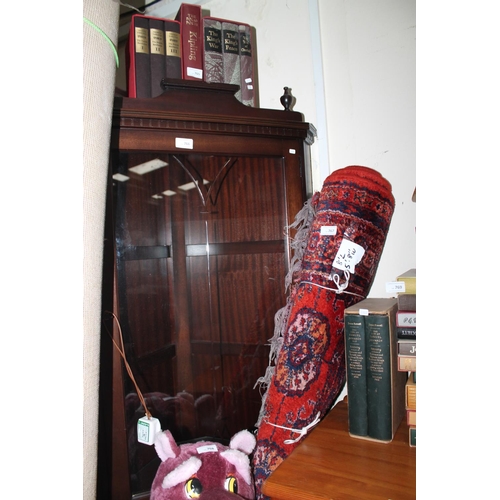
{"x":139,"y":74}
{"x":157,"y":54}
{"x":173,"y":67}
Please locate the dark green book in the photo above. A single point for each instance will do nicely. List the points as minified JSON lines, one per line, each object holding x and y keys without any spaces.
{"x":412,"y":436}
{"x":354,"y":328}
{"x":385,"y":385}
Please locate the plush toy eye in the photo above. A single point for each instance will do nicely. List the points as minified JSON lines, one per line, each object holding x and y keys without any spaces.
{"x":193,"y":488}
{"x":231,"y":484}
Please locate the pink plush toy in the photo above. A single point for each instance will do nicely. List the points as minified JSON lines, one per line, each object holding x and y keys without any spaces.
{"x":204,"y":470}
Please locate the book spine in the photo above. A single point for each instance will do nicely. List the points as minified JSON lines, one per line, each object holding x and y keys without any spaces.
{"x":157,"y":55}
{"x":407,"y":363}
{"x":247,"y":84}
{"x":407,"y":348}
{"x":406,"y":333}
{"x":410,"y":285}
{"x":139,"y":71}
{"x":378,"y":377}
{"x":411,"y":417}
{"x":406,"y":318}
{"x":410,"y":280}
{"x":231,"y":55}
{"x":213,"y":66}
{"x":407,"y":301}
{"x":173,"y":60}
{"x":385,"y":384}
{"x":412,"y":438}
{"x":355,"y":352}
{"x":410,"y":394}
{"x":189,"y":16}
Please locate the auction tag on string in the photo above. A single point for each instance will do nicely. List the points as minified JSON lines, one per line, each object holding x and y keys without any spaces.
{"x":348,"y":255}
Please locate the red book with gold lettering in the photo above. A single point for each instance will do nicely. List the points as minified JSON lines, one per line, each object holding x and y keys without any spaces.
{"x":190,"y":18}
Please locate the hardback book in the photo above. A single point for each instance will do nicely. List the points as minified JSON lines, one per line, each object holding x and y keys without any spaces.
{"x":157,"y":62}
{"x":407,"y":347}
{"x":248,"y":83}
{"x":163,"y":55}
{"x":406,"y":318}
{"x":410,"y":394}
{"x":173,"y":52}
{"x":407,"y":363}
{"x":411,"y":417}
{"x":355,"y":352}
{"x":190,"y":19}
{"x":409,"y":278}
{"x":412,"y":438}
{"x":406,"y":332}
{"x":407,"y":301}
{"x":375,"y":386}
{"x":138,"y":58}
{"x":213,"y":65}
{"x":231,"y":54}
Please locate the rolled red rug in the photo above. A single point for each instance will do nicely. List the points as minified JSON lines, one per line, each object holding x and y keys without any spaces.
{"x":345,"y":239}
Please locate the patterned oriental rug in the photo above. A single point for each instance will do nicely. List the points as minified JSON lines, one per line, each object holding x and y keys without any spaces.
{"x":340,"y":236}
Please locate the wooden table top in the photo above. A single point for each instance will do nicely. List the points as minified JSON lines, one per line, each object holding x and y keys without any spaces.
{"x":330,"y":464}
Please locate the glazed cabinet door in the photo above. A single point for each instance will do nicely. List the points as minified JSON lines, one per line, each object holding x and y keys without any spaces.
{"x":201,"y":261}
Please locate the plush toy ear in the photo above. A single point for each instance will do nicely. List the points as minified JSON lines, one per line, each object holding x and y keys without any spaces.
{"x":244,"y":441}
{"x":165,"y":445}
{"x":241,"y":461}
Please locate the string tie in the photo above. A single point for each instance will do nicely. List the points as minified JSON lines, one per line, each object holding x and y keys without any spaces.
{"x":336,"y":279}
{"x":302,"y":432}
{"x":341,"y":287}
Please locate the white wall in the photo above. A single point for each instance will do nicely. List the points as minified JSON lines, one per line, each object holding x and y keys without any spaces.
{"x":369,"y":60}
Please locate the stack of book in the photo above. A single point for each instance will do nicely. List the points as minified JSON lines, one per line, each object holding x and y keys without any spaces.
{"x":375,"y":385}
{"x":406,"y":327}
{"x":154,"y":53}
{"x":190,"y":47}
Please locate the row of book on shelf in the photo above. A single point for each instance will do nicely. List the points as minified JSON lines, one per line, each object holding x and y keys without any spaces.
{"x":190,"y":47}
{"x":381,"y":369}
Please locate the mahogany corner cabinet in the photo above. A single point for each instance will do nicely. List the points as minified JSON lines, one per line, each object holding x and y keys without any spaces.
{"x":201,"y":192}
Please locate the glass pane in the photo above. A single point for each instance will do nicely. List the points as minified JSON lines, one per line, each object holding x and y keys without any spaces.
{"x":201,"y":269}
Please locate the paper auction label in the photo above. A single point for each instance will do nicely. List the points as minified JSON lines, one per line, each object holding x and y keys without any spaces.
{"x":328,"y":230}
{"x":395,"y":287}
{"x":348,"y":256}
